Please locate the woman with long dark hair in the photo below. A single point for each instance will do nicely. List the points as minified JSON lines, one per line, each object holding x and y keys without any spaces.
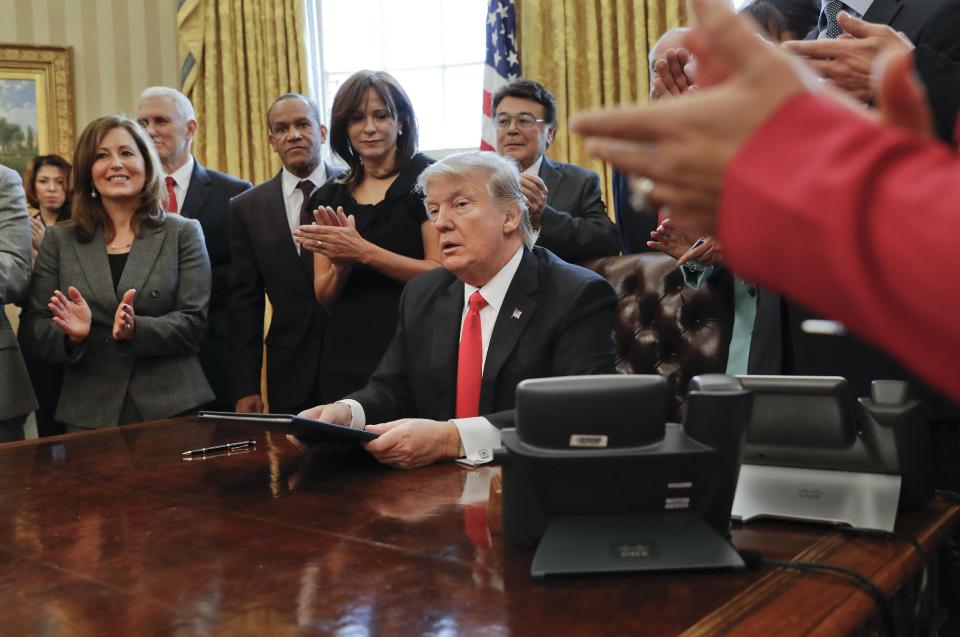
{"x":372,"y":234}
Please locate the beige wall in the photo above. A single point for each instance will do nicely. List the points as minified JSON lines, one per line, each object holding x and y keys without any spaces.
{"x":120,"y":47}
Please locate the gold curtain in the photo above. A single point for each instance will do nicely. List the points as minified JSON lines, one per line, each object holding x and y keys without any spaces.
{"x":236,"y":57}
{"x":592,"y":53}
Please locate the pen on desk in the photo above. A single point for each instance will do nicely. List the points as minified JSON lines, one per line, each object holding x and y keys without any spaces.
{"x":230,"y":446}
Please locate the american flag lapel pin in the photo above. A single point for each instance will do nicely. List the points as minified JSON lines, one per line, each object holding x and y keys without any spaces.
{"x":517,"y":313}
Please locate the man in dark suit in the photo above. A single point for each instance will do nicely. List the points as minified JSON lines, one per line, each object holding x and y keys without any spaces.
{"x":500,"y":311}
{"x":16,"y":393}
{"x":930,"y":25}
{"x":265,"y":258}
{"x":202,"y":194}
{"x":564,"y":200}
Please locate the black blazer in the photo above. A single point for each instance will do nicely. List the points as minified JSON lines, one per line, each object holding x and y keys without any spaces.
{"x":575,"y":223}
{"x":634,"y":226}
{"x":207,"y":201}
{"x":265,"y":258}
{"x":934,"y":28}
{"x":556,"y":320}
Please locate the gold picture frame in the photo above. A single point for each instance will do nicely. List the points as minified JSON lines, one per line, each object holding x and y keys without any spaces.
{"x":45,"y":124}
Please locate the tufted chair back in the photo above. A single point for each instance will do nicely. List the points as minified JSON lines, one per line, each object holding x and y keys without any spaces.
{"x":663,"y":327}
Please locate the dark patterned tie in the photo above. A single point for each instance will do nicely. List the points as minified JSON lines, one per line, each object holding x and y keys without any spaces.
{"x":830,"y":11}
{"x":306,"y":257}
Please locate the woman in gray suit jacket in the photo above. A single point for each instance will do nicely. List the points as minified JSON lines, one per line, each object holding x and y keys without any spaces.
{"x":120,"y":292}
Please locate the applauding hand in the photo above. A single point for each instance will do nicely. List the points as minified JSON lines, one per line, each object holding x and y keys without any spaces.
{"x":681,"y":247}
{"x":124,"y":320}
{"x":71,"y":314}
{"x":334,"y":235}
{"x":535,"y":193}
{"x":37,"y":230}
{"x":673,"y":76}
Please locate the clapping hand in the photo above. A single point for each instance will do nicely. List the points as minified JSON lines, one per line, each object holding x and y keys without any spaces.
{"x":124,"y":320}
{"x":673,"y":74}
{"x":681,"y":247}
{"x":848,"y":61}
{"x":535,"y":193}
{"x":37,"y":230}
{"x":334,"y":235}
{"x":71,"y":314}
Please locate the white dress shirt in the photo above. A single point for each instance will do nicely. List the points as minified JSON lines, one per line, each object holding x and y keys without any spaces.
{"x":478,"y":436}
{"x":181,"y":177}
{"x":293,"y":196}
{"x":534,"y":168}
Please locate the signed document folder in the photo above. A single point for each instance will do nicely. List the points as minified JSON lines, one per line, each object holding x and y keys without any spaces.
{"x":301,"y":427}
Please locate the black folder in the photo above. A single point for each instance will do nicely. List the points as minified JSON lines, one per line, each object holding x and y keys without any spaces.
{"x":304,"y":428}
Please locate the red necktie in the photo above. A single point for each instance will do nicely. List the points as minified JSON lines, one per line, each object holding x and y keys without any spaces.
{"x":171,"y":196}
{"x":470,"y":360}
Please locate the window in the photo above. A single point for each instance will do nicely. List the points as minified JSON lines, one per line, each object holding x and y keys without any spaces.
{"x":435,"y":49}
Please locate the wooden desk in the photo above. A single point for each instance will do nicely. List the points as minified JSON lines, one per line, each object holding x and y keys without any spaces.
{"x":112,"y":533}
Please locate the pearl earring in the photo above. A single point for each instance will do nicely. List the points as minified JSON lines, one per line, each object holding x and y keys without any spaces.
{"x":93,"y":194}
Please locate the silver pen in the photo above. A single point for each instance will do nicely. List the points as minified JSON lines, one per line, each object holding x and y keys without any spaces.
{"x":230,"y":446}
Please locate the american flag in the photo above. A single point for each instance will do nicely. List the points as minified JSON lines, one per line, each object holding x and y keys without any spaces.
{"x":503,"y":63}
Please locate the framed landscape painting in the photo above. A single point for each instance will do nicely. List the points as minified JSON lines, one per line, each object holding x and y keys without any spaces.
{"x":36,"y":103}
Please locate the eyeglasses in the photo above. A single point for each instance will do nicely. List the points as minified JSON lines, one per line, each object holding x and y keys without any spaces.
{"x":524,"y":121}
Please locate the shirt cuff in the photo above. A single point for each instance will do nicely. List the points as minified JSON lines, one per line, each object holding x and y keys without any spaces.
{"x":358,"y":419}
{"x":478,"y":438}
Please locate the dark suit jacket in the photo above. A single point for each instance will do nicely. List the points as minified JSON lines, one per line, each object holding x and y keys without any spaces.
{"x":159,"y":369}
{"x":934,"y":27}
{"x":634,"y":226}
{"x":264,"y":258}
{"x":206,"y":201}
{"x":566,"y":316}
{"x":575,"y":223}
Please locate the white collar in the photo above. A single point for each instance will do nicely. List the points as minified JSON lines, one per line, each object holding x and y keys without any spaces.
{"x":534,"y":168}
{"x":290,"y":181}
{"x":182,"y":175}
{"x":496,"y":288}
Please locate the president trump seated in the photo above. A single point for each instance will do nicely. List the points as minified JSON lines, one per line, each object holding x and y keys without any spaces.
{"x":501,"y":310}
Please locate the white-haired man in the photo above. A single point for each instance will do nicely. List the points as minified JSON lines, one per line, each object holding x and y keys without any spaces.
{"x":202,"y":194}
{"x":500,"y":311}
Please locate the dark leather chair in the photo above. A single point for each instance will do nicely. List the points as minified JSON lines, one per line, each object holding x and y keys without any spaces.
{"x":663,"y":327}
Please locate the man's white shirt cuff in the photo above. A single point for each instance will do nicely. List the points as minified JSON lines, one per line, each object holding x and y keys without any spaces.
{"x":358,"y":419}
{"x":478,"y":439}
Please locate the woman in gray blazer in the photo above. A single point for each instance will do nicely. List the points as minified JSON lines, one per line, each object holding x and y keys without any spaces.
{"x":120,"y":292}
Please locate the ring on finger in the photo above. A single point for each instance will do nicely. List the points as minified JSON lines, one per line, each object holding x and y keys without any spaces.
{"x":319,"y":243}
{"x":640,"y":193}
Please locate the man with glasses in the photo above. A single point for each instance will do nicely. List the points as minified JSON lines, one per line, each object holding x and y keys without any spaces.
{"x":564,"y":200}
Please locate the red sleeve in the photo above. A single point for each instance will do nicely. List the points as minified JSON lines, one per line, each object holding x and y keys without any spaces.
{"x":856,"y":220}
